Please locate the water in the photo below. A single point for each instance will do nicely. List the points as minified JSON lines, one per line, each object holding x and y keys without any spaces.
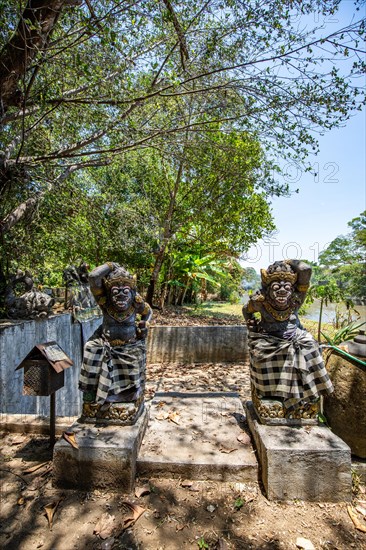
{"x":358,"y":313}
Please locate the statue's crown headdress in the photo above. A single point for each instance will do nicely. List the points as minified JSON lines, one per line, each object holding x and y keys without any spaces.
{"x":119,"y":277}
{"x":278,"y":271}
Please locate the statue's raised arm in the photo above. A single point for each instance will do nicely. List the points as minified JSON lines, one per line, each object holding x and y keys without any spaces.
{"x":303,"y":272}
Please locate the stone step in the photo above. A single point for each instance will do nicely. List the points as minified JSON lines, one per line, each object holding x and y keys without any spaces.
{"x":197,"y":436}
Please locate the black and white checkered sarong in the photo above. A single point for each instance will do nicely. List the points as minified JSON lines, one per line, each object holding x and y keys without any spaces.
{"x":292,"y":369}
{"x":109,"y":370}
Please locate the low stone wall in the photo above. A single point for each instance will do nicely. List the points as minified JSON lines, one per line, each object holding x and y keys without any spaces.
{"x":18,"y":339}
{"x":199,"y":344}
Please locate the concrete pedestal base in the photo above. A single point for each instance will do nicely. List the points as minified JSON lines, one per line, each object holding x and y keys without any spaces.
{"x":106,"y":457}
{"x":305,"y":463}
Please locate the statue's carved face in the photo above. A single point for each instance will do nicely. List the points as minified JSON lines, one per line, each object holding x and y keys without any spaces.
{"x":121,"y":297}
{"x":280,"y":293}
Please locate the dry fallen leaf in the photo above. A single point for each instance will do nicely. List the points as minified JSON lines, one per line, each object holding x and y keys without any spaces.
{"x":36,"y":467}
{"x":21,"y":501}
{"x":174,"y":417}
{"x":222,"y":545}
{"x":180,"y":527}
{"x":70,"y":438}
{"x":227,"y":451}
{"x":360,"y":525}
{"x":136,"y":512}
{"x":105,"y":526}
{"x":162,"y":415}
{"x":50,"y":510}
{"x":141,"y":491}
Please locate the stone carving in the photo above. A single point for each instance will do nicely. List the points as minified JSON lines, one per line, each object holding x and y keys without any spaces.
{"x":287,"y":371}
{"x":32,"y":304}
{"x":79,"y":296}
{"x":112,"y":376}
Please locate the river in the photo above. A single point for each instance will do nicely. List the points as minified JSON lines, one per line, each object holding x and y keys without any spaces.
{"x":329,"y":312}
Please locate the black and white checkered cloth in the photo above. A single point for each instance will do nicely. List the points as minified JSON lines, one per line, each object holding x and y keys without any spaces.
{"x":292,"y":369}
{"x":109,"y":370}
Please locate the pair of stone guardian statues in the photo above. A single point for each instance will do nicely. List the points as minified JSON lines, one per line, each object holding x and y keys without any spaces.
{"x":287,"y":372}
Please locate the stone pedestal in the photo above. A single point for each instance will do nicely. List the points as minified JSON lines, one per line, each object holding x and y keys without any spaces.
{"x":272,"y":411}
{"x":306,"y":463}
{"x":105,"y":459}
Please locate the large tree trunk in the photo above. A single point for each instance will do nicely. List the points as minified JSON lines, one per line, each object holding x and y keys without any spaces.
{"x":155,"y":273}
{"x":31,"y":36}
{"x":167,"y":236}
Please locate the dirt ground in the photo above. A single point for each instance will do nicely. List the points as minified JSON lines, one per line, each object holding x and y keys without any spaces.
{"x":165,"y":514}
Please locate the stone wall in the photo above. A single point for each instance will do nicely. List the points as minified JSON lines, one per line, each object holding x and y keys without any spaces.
{"x":199,"y":344}
{"x":17,"y":339}
{"x":202,"y":344}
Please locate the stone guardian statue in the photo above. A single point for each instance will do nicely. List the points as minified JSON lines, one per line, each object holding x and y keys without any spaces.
{"x":286,"y":367}
{"x":112,"y":376}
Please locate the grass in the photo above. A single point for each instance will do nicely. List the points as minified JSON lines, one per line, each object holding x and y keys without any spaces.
{"x":216,"y":309}
{"x":312,"y":327}
{"x":227,"y":310}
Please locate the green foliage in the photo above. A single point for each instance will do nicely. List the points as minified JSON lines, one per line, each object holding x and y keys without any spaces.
{"x":344,"y":259}
{"x":327,"y":291}
{"x":323,"y":419}
{"x":167,"y":119}
{"x":251,"y":279}
{"x":234,"y":297}
{"x":344,"y":334}
{"x":239,"y":503}
{"x":358,"y":226}
{"x":202,"y":544}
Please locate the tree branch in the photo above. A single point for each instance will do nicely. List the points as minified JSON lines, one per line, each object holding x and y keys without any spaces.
{"x":178,"y":29}
{"x":30,"y":37}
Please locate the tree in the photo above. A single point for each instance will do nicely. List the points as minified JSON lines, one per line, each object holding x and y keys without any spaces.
{"x":345,"y":259}
{"x":251,"y":279}
{"x":358,"y":226}
{"x":212,"y":192}
{"x":82,"y":82}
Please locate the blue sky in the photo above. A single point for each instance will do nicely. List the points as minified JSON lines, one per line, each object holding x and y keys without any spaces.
{"x":309,"y":220}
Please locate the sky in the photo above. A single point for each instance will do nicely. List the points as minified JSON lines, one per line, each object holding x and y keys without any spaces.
{"x":310,"y":219}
